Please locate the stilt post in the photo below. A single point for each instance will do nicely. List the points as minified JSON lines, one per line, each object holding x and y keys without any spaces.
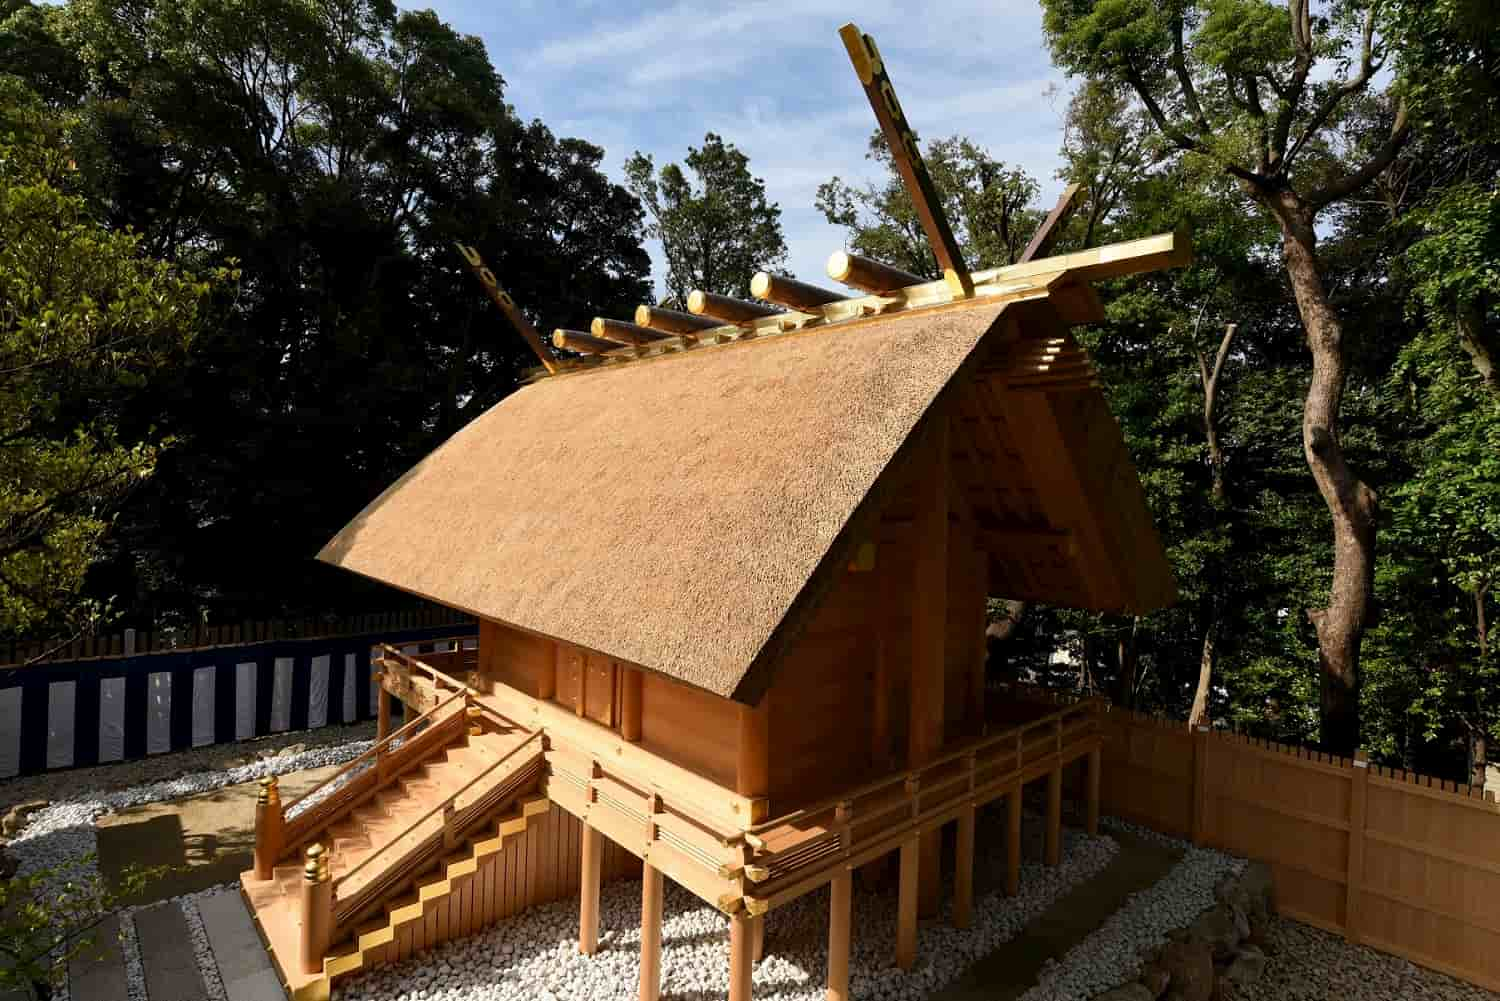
{"x":588,"y":903}
{"x":758,"y":938}
{"x":1091,"y":808}
{"x":840,"y":900}
{"x":1013,"y":841}
{"x":906,"y":905}
{"x":382,"y":708}
{"x":963,"y":874}
{"x":268,"y":827}
{"x":317,"y":909}
{"x":651,"y":887}
{"x":740,"y":947}
{"x":1054,"y":816}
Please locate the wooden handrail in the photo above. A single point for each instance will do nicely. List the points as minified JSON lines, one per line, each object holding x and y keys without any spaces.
{"x":439,"y":806}
{"x":973,"y":747}
{"x":438,"y":677}
{"x":375,"y":750}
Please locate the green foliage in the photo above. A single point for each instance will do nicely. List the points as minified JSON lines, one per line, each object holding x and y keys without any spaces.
{"x":87,"y":321}
{"x":48,"y":916}
{"x":717,"y":229}
{"x":986,"y":202}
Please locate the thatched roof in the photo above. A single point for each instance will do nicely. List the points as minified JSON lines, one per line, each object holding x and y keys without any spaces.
{"x":671,"y":513}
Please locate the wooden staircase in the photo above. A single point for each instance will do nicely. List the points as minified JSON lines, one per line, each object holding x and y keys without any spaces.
{"x":403,"y":827}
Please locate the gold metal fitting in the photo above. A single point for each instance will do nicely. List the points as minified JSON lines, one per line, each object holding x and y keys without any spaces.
{"x":316,"y":870}
{"x":270,"y":792}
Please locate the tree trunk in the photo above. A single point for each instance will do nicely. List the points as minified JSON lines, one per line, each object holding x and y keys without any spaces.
{"x":1480,"y":345}
{"x":1353,"y":504}
{"x":1478,"y":756}
{"x":1125,"y":677}
{"x":1199,"y":714}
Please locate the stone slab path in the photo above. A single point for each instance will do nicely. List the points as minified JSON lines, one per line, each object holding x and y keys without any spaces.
{"x":99,"y":970}
{"x":167,"y":954}
{"x":243,"y":964}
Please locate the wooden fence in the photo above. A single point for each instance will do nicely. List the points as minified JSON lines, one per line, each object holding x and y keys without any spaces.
{"x":1403,"y":863}
{"x":203,"y":637}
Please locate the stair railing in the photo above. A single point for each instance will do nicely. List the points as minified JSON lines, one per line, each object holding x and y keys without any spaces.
{"x":453,"y":822}
{"x":281,"y":828}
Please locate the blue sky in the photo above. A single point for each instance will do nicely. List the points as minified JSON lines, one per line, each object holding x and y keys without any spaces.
{"x":772,"y":77}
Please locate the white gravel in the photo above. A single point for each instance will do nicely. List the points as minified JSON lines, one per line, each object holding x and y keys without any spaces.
{"x":130,"y":947}
{"x":535,"y":955}
{"x":1308,"y":964}
{"x":1110,"y":955}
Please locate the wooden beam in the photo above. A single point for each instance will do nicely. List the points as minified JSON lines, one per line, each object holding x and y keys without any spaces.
{"x":963,"y":875}
{"x":757,"y":938}
{"x":588,"y":890}
{"x":1151,"y":253}
{"x":507,"y":305}
{"x":1091,"y":808}
{"x":651,"y":908}
{"x":582,"y":343}
{"x":624,"y":333}
{"x":1051,"y":228}
{"x":871,"y":70}
{"x":868,"y":274}
{"x":906,"y":905}
{"x":929,"y":626}
{"x":727,"y":308}
{"x":672,"y":321}
{"x":791,"y":293}
{"x":840,"y":905}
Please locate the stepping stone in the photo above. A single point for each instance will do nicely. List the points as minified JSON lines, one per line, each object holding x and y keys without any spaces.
{"x":243,"y":964}
{"x":97,"y":973}
{"x":167,"y":954}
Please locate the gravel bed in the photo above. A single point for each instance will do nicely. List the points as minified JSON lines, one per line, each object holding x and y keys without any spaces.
{"x":122,"y":775}
{"x":130,"y":948}
{"x":208,"y":967}
{"x":1309,"y":964}
{"x":65,"y":831}
{"x":535,"y":954}
{"x":1110,"y":955}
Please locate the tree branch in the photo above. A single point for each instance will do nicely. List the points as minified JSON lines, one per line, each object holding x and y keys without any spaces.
{"x":1351,"y":182}
{"x":1353,"y":85}
{"x":1185,"y":79}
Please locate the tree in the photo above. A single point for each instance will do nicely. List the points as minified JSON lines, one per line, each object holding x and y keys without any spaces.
{"x":337,"y":149}
{"x":717,"y":229}
{"x":87,"y":321}
{"x":987,"y":203}
{"x":1234,"y":81}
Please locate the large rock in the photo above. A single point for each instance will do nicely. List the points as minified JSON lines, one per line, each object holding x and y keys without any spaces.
{"x":1246,"y":966}
{"x":1190,"y":967}
{"x":1127,"y":992}
{"x":1155,"y":979}
{"x":1220,"y":929}
{"x":16,"y":817}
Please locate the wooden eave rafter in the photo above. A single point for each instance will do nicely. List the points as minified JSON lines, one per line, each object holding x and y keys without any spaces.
{"x":1063,"y":279}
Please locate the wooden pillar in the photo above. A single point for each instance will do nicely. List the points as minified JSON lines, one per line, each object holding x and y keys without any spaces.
{"x":740,"y":965}
{"x":963,"y":875}
{"x":758,"y":938}
{"x":268,"y":827}
{"x":630,"y":704}
{"x":382,"y":708}
{"x":906,"y":906}
{"x":1054,"y":816}
{"x":1013,"y":841}
{"x":840,"y":903}
{"x":1091,"y":806}
{"x":317,"y":909}
{"x":752,"y":766}
{"x":929,"y":627}
{"x":546,"y":683}
{"x":1354,"y":875}
{"x":588,"y":903}
{"x":651,"y":891}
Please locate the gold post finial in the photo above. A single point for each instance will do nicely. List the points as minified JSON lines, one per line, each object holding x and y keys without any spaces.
{"x":316,"y":869}
{"x":270,"y":791}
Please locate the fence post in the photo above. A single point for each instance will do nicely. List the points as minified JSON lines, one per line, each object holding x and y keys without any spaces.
{"x":317,"y":909}
{"x":1200,"y":785}
{"x":130,"y":642}
{"x":1358,"y":791}
{"x":268,"y":827}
